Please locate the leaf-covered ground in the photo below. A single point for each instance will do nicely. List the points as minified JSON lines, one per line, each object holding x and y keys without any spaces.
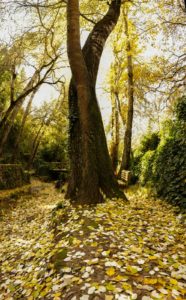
{"x":114,"y":251}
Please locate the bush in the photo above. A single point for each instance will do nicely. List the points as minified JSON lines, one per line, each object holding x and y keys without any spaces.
{"x":146,"y":174}
{"x":53,"y":151}
{"x":169,"y":171}
{"x":12,"y":176}
{"x":162,"y":165}
{"x":180,"y":109}
{"x":149,"y":141}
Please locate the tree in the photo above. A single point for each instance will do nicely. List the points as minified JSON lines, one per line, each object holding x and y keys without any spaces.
{"x":132,"y":74}
{"x":23,"y":121}
{"x":89,"y":176}
{"x":125,"y":163}
{"x":103,"y":176}
{"x":115,"y":131}
{"x":25,"y":48}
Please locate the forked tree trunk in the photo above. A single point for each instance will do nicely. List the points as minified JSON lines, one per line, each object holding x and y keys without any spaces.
{"x":92,"y":52}
{"x":125,"y":164}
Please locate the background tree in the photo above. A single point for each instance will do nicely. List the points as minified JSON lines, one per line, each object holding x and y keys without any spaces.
{"x":40,"y":46}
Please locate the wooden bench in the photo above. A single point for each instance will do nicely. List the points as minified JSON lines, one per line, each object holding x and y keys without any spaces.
{"x":56,"y":173}
{"x":126,"y":176}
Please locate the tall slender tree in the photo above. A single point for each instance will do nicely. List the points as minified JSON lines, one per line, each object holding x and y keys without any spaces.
{"x":125,"y":164}
{"x":114,"y":151}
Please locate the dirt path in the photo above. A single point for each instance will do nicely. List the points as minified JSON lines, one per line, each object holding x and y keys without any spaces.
{"x":115,"y":251}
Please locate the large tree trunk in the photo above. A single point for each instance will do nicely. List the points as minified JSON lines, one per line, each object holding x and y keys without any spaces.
{"x":88,"y":190}
{"x":92,"y":52}
{"x":125,"y":164}
{"x":115,"y":132}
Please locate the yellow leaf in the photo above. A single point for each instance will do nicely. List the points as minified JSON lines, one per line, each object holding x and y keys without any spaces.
{"x":110,"y":271}
{"x":161,"y":263}
{"x":43,"y":293}
{"x":150,"y":281}
{"x":153,"y":257}
{"x":94,"y":244}
{"x":126,"y":286}
{"x":48,"y":279}
{"x":76,"y":242}
{"x":160,"y":280}
{"x":58,"y":294}
{"x":176,"y":265}
{"x":109,"y":297}
{"x":110,"y":287}
{"x":136,"y":249}
{"x":182,"y":290}
{"x":96,"y":285}
{"x":75,"y":279}
{"x":120,"y":278}
{"x":106,"y":253}
{"x":173,"y":281}
{"x":132,"y":270}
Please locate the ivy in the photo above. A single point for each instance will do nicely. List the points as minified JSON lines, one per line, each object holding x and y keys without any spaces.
{"x":163,"y":167}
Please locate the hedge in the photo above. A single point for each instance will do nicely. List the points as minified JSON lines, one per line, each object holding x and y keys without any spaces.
{"x":12,"y":176}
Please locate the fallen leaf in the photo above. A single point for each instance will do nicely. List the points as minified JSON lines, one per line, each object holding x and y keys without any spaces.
{"x":110,"y":271}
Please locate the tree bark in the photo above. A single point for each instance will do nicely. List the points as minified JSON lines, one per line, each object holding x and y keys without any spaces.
{"x":88,"y":190}
{"x":92,"y":52}
{"x":125,"y":164}
{"x":115,"y":132}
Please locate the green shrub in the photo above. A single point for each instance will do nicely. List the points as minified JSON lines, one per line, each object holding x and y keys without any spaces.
{"x":149,"y":141}
{"x":169,"y":171}
{"x":146,"y":165}
{"x":162,"y":164}
{"x":180,"y":109}
{"x":12,"y":176}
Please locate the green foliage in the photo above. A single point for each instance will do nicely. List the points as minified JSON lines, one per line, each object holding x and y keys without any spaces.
{"x":149,"y":142}
{"x":54,"y":150}
{"x":161,"y":164}
{"x":146,"y":165}
{"x":169,"y":170}
{"x":52,"y":153}
{"x":25,"y":143}
{"x":12,"y":176}
{"x":181,"y":109}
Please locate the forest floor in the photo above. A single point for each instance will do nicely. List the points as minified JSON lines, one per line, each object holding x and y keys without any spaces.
{"x":113,"y":251}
